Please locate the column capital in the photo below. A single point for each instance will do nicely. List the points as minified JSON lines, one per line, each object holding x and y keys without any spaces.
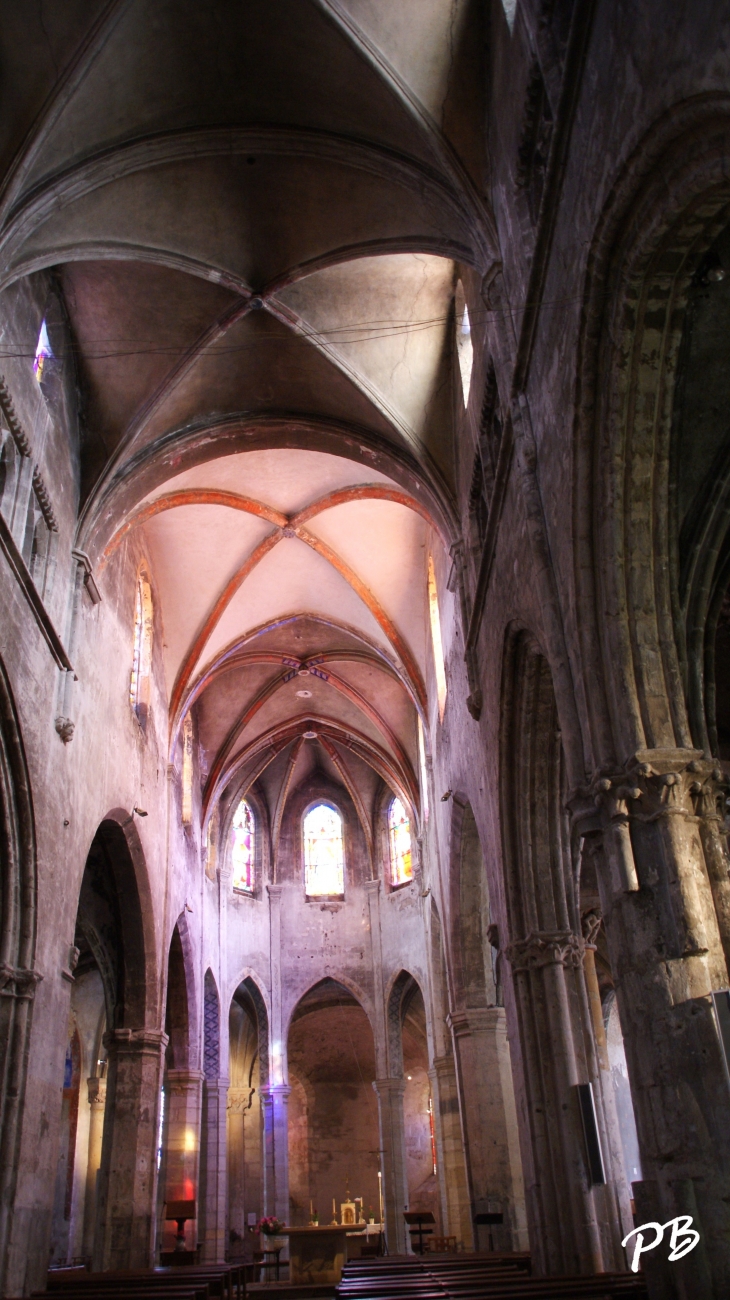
{"x":184,"y":1078}
{"x":97,"y":1091}
{"x":273,"y":1090}
{"x":372,"y":887}
{"x":392,"y":1087}
{"x":135,"y":1040}
{"x":543,"y":948}
{"x":239,"y":1100}
{"x":15,"y":982}
{"x":474,"y":1020}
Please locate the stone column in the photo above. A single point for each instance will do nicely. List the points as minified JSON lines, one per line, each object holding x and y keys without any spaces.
{"x":239,"y":1100}
{"x":213,"y":1174}
{"x":275,"y":1102}
{"x":127,"y":1186}
{"x":489,"y":1121}
{"x":97,"y":1105}
{"x":182,"y":1171}
{"x":618,"y":1187}
{"x":666,"y":918}
{"x":455,"y":1199}
{"x":393,"y":1161}
{"x":564,"y":1210}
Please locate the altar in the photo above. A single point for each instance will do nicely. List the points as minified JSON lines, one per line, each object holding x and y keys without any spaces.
{"x":317,"y":1254}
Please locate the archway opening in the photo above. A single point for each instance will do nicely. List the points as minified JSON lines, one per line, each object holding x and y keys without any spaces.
{"x":421,"y":1166}
{"x":178,"y":1152}
{"x":333,"y":1113}
{"x":248,"y":1039}
{"x":108,"y":972}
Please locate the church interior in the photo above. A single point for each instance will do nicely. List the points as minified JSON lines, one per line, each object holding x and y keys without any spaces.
{"x":365,"y":641}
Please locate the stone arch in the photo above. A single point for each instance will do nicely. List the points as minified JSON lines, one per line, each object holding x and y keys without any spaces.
{"x":17,"y":944}
{"x":115,"y":932}
{"x":180,"y":1012}
{"x":253,"y":992}
{"x":402,"y":989}
{"x":331,"y":1054}
{"x":348,"y":984}
{"x":115,"y":919}
{"x":474,"y":971}
{"x":573,"y":1216}
{"x":664,"y":213}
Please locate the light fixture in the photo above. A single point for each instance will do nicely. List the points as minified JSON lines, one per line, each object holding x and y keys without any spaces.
{"x":304,"y":695}
{"x":309,"y":735}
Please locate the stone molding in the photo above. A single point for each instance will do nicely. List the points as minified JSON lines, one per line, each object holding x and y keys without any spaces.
{"x":474,"y":1020}
{"x":184,"y":1079}
{"x":136,"y":1040}
{"x":546,"y":948}
{"x":274,"y":1090}
{"x":389,"y":1087}
{"x":15,"y":982}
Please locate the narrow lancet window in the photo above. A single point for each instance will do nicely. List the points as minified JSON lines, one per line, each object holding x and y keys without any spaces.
{"x":399,"y":839}
{"x":464,"y":345}
{"x":243,"y":830}
{"x":438,"y":648}
{"x":142,"y":650}
{"x":187,"y":770}
{"x":324,"y":867}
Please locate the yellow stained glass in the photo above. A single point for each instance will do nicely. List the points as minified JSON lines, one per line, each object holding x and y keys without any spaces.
{"x":324,"y":869}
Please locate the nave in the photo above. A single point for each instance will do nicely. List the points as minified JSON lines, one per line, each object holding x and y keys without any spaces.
{"x":365,"y":647}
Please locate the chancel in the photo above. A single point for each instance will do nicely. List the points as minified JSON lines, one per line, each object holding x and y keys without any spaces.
{"x":365,"y":648}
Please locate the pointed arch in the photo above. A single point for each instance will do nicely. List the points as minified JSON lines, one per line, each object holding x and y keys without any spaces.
{"x":18,"y":979}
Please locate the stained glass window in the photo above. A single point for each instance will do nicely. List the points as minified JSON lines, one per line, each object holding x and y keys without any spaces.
{"x":43,"y":353}
{"x":242,"y":847}
{"x":324,"y":868}
{"x":399,"y":838}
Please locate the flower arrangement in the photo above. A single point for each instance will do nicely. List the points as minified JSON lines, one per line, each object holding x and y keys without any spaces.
{"x":270,"y":1226}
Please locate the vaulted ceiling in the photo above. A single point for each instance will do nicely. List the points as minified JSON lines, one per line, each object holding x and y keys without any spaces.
{"x":256,"y":211}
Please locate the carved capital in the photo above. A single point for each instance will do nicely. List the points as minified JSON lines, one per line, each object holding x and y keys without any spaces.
{"x":97,"y":1091}
{"x":546,"y":948}
{"x":239,"y":1100}
{"x":18,"y":983}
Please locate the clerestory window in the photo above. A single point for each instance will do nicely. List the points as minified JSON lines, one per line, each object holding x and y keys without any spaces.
{"x":243,"y":839}
{"x":324,"y":859}
{"x":464,"y":345}
{"x":436,"y":641}
{"x":399,"y":841}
